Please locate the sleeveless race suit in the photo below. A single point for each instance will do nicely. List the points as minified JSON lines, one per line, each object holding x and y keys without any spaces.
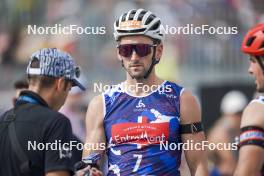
{"x":141,"y":130}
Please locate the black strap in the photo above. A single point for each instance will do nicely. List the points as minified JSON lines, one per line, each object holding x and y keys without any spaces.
{"x":191,"y":128}
{"x":154,"y":61}
{"x":248,"y":128}
{"x":81,"y":165}
{"x":25,"y":165}
{"x":251,"y":135}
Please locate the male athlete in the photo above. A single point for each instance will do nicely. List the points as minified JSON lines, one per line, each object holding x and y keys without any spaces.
{"x":136,"y":117}
{"x":251,"y":153}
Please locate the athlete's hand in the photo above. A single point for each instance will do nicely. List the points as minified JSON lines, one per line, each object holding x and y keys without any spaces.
{"x":88,"y":171}
{"x":88,"y":166}
{"x":95,"y":172}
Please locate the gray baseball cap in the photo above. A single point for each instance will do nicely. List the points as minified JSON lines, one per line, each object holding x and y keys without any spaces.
{"x":55,"y":63}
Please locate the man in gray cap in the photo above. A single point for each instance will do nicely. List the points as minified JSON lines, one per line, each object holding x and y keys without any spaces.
{"x":35,"y":138}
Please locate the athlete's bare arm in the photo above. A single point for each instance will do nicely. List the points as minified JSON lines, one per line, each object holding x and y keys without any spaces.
{"x":95,"y":134}
{"x":190,"y":113}
{"x":251,"y":157}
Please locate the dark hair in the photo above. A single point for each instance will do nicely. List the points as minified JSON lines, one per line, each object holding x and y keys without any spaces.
{"x":43,"y":81}
{"x":156,"y":41}
{"x":21,"y":84}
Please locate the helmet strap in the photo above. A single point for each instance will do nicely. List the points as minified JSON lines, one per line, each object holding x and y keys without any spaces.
{"x":153,"y":63}
{"x":259,"y":60}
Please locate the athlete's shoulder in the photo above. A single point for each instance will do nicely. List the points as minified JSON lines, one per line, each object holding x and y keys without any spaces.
{"x":96,"y":102}
{"x":253,"y":114}
{"x":176,"y":87}
{"x":190,"y":109}
{"x":95,"y":111}
{"x":188,"y":97}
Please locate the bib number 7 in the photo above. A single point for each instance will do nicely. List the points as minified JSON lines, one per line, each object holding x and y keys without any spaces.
{"x":139,"y":158}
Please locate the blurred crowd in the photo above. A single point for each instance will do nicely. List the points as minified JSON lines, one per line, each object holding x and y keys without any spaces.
{"x":184,"y":55}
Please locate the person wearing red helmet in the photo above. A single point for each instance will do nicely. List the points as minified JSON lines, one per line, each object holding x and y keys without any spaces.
{"x":251,"y":143}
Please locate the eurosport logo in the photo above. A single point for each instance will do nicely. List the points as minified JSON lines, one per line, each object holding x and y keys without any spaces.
{"x":59,"y":29}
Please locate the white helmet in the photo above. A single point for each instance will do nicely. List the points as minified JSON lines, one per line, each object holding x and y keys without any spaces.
{"x":138,"y":22}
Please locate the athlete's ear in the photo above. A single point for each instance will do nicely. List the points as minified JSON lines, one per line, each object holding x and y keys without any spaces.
{"x":60,"y":84}
{"x":159,"y":50}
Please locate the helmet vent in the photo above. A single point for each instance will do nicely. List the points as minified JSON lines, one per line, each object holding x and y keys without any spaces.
{"x":155,"y":26}
{"x":124,"y":17}
{"x":131,"y":15}
{"x":262,"y":45}
{"x":141,"y":15}
{"x":250,"y":41}
{"x":150,"y":18}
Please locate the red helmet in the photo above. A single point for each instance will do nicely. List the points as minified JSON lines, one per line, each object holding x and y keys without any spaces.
{"x":253,"y":42}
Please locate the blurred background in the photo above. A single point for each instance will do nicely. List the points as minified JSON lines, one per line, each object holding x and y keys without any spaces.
{"x":209,"y":65}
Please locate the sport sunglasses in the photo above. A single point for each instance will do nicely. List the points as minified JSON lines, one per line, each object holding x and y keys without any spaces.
{"x":142,"y":50}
